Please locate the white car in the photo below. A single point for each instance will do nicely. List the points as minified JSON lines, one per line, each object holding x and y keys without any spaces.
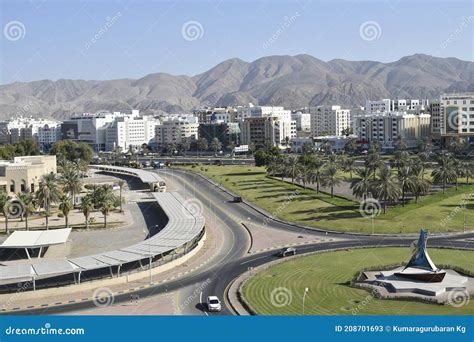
{"x":213,"y":304}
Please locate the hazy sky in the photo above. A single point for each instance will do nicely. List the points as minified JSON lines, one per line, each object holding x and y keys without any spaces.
{"x":109,"y":39}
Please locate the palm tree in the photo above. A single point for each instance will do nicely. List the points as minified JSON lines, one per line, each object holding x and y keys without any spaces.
{"x":465,"y":170}
{"x":317,"y":171}
{"x":444,"y":173}
{"x":48,"y":193}
{"x":373,"y":161}
{"x":348,"y":166}
{"x":121,"y":184}
{"x":86,"y":208}
{"x":304,"y":175}
{"x":401,"y":158}
{"x":27,"y":201}
{"x":216,"y":145}
{"x":386,"y":188}
{"x":65,"y":205}
{"x":420,"y":185}
{"x":4,"y":205}
{"x":71,"y":181}
{"x":362,"y":186}
{"x":405,"y":178}
{"x":292,"y":167}
{"x":330,"y":177}
{"x":105,"y":208}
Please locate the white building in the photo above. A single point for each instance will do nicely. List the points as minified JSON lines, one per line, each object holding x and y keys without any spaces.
{"x":175,"y":129}
{"x":303,"y":121}
{"x":45,"y":132}
{"x":329,"y":120}
{"x":388,"y":126}
{"x":130,"y":131}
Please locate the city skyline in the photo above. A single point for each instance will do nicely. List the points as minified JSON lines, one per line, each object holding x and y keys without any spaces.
{"x":114,"y":40}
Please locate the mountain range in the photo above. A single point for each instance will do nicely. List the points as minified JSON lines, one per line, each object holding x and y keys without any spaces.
{"x":289,"y":81}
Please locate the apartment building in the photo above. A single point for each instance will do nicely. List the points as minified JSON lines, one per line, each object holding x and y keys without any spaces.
{"x":457,"y":117}
{"x":329,"y":120}
{"x":175,"y":129}
{"x":387,"y":127}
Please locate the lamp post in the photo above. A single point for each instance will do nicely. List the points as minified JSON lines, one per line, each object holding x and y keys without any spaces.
{"x":149,"y":255}
{"x":304,"y":297}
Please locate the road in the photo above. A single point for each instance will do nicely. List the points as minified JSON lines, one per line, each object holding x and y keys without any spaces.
{"x":233,"y":259}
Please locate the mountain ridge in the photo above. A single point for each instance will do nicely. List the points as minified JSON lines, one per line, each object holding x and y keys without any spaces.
{"x":290,"y":81}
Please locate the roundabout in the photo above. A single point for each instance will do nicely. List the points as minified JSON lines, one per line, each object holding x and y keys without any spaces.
{"x":279,"y":289}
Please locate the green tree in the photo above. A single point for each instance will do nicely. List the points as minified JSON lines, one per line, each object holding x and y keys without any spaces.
{"x":465,"y":170}
{"x":4,"y":205}
{"x":71,"y":181}
{"x":361,"y":186}
{"x":405,"y":178}
{"x":216,"y":145}
{"x":48,"y":193}
{"x":27,"y":200}
{"x":201,"y":144}
{"x":386,"y":187}
{"x":86,"y":207}
{"x":68,"y":150}
{"x":121,"y":184}
{"x":292,"y":168}
{"x":444,"y":173}
{"x":317,"y":168}
{"x":185,"y":145}
{"x":65,"y":206}
{"x":420,"y":185}
{"x":330,"y":177}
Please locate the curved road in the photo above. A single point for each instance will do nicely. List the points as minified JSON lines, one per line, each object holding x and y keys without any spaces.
{"x":233,"y":260}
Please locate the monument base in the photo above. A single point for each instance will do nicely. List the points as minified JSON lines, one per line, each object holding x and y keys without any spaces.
{"x":421,"y":275}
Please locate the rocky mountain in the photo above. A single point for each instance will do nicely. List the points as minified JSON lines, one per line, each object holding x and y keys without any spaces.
{"x":290,"y":81}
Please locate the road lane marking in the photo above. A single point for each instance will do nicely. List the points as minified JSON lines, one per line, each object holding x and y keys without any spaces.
{"x":245,"y":262}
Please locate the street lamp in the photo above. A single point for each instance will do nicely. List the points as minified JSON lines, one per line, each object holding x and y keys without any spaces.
{"x":149,"y":256}
{"x":304,"y":297}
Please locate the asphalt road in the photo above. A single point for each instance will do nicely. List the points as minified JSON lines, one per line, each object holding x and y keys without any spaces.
{"x":233,"y":259}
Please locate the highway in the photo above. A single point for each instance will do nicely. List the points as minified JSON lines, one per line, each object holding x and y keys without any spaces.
{"x":233,"y":260}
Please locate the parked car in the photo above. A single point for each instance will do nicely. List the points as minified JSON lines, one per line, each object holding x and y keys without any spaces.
{"x":237,"y":199}
{"x":213,"y":304}
{"x":287,"y":252}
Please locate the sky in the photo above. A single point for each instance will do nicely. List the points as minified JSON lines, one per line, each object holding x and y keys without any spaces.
{"x":113,"y":39}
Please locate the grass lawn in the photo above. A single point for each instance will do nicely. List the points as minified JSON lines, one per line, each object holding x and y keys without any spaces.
{"x":326,"y":275}
{"x":437,"y":212}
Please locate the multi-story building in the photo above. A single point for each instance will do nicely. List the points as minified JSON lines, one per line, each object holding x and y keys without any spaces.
{"x":303,"y":121}
{"x":435,"y":112}
{"x":267,"y":130}
{"x":457,"y":117}
{"x":45,"y":132}
{"x":329,"y":120}
{"x":388,"y":127}
{"x":130,"y":131}
{"x":174,"y":130}
{"x":384,"y":105}
{"x":24,"y":173}
{"x":227,"y":133}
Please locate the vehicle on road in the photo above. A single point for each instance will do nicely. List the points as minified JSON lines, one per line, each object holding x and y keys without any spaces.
{"x":213,"y":304}
{"x":237,"y":199}
{"x":287,"y":252}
